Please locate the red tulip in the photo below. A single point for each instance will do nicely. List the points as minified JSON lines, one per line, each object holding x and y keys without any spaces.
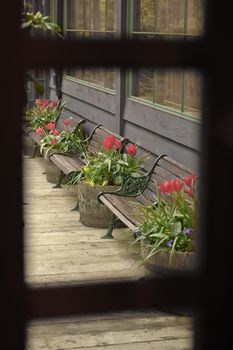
{"x":177,"y":185}
{"x":117,"y":143}
{"x":189,"y":192}
{"x":40,"y":131}
{"x":38,"y":102}
{"x":54,"y":141}
{"x":53,"y":104}
{"x":50,"y":126}
{"x":166,"y":187}
{"x":131,"y":149}
{"x":189,"y":181}
{"x":109,"y":142}
{"x":55,"y":132}
{"x":66,"y":122}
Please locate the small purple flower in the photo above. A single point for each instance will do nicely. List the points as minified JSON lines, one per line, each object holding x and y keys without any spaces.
{"x":188,"y":231}
{"x":170,"y":243}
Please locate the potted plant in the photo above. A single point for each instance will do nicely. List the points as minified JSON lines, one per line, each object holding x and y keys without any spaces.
{"x":167,"y":232}
{"x":43,"y":112}
{"x":37,"y":117}
{"x":98,"y":176}
{"x":55,"y":141}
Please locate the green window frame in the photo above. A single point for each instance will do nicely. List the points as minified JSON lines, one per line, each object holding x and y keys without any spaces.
{"x":177,"y":91}
{"x":100,"y":26}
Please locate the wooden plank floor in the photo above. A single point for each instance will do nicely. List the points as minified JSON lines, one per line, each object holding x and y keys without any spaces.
{"x":60,"y":250}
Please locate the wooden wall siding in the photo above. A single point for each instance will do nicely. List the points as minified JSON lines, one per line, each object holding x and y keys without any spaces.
{"x":158,"y":144}
{"x":175,"y":128}
{"x":97,"y":107}
{"x":100,"y":99}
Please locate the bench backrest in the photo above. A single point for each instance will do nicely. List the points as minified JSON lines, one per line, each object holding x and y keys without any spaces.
{"x":97,"y":136}
{"x":74,"y":123}
{"x":165,"y":169}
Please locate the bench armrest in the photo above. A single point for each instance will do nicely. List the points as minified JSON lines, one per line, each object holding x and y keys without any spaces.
{"x":132,"y":186}
{"x":86,"y":140}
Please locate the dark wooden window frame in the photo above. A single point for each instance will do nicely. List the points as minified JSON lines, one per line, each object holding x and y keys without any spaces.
{"x":209,"y":289}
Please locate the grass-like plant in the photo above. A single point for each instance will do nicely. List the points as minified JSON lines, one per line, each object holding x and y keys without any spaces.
{"x":169,"y":224}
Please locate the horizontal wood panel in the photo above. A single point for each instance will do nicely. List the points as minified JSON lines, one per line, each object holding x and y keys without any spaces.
{"x":90,"y":112}
{"x":166,"y":124}
{"x":160,"y":145}
{"x":90,"y":95}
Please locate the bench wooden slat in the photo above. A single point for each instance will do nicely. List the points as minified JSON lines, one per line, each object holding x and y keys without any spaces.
{"x":105,"y":133}
{"x":119,"y":210}
{"x":124,"y":205}
{"x":175,"y":168}
{"x":67,"y":164}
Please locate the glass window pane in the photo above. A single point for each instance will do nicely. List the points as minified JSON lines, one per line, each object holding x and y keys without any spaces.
{"x":170,"y":16}
{"x":168,"y":88}
{"x":192,"y":93}
{"x":97,"y":77}
{"x":144,"y":16}
{"x":98,"y":15}
{"x":111,"y":15}
{"x":91,"y":18}
{"x":110,"y":79}
{"x":195,"y":17}
{"x":142,"y":84}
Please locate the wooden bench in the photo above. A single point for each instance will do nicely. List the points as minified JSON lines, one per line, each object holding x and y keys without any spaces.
{"x":141,"y":190}
{"x":73,"y":125}
{"x":71,"y":164}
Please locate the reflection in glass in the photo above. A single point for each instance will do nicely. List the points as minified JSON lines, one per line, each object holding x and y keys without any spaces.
{"x":175,"y":89}
{"x":96,"y":19}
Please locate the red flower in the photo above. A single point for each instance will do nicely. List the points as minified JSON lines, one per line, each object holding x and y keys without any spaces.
{"x":66,"y":122}
{"x":53,"y":104}
{"x":166,"y":187}
{"x":40,"y":131}
{"x":45,"y":103}
{"x":171,"y":186}
{"x":55,"y":132}
{"x":54,"y":141}
{"x":117,"y":143}
{"x":189,"y":192}
{"x":109,"y":142}
{"x":189,"y":181}
{"x":177,"y":185}
{"x":131,"y":149}
{"x":51,"y":126}
{"x":38,"y":102}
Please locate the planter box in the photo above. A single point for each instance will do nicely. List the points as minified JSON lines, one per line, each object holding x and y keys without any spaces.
{"x":158,"y":264}
{"x":29,"y":146}
{"x":93,"y":213}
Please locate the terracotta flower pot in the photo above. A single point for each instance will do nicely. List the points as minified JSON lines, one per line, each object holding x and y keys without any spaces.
{"x":93,"y":213}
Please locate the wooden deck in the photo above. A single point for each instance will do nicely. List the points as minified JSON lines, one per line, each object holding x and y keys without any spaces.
{"x":60,"y":250}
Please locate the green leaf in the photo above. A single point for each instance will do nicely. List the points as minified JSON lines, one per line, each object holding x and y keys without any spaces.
{"x":122,"y":162}
{"x":39,"y":87}
{"x":176,"y":228}
{"x":26,"y":24}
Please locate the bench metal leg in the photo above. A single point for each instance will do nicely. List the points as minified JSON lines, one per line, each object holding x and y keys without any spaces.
{"x":108,"y":234}
{"x":61,"y":177}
